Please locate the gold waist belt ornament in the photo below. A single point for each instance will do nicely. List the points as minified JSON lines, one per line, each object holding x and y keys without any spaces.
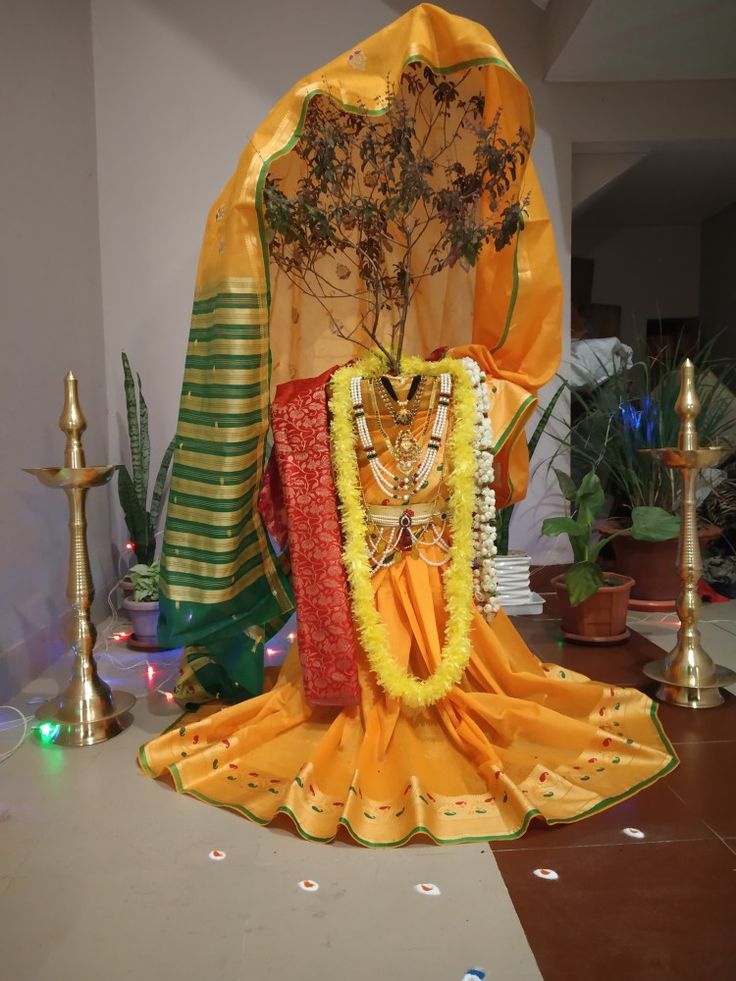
{"x":395,"y":516}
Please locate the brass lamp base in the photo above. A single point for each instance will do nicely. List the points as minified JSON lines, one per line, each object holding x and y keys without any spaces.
{"x":689,"y":696}
{"x":90,"y":721}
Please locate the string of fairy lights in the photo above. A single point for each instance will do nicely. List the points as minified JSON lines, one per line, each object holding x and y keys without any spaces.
{"x":116,"y":632}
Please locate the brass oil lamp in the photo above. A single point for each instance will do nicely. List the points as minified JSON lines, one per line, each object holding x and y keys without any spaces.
{"x":87,"y":711}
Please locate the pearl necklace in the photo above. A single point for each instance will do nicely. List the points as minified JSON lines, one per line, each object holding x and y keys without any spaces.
{"x":390,"y":483}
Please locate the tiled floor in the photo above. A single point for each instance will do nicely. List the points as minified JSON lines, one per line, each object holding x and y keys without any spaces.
{"x":106,"y":874}
{"x":663,"y":906}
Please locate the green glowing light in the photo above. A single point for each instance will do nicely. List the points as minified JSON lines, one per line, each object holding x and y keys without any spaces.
{"x":48,"y":731}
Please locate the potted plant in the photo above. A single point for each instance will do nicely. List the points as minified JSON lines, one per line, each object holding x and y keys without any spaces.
{"x":594,"y":603}
{"x":142,"y":606}
{"x":635,"y":410}
{"x":141,"y":520}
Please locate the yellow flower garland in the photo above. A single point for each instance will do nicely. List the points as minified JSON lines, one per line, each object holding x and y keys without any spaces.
{"x":458,"y":577}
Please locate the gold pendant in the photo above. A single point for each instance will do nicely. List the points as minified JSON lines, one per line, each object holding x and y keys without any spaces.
{"x":406,"y":449}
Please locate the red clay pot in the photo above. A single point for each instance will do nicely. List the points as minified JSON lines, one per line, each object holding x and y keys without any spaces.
{"x":600,"y":619}
{"x":652,"y":565}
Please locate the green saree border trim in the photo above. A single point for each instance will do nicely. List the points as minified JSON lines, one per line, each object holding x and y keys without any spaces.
{"x":507,"y":431}
{"x":421,"y":829}
{"x":143,"y":762}
{"x":512,"y":300}
{"x":674,"y":762}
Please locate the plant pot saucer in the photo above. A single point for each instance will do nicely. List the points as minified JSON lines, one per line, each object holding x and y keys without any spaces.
{"x":653,"y":605}
{"x":597,"y":641}
{"x":143,"y":645}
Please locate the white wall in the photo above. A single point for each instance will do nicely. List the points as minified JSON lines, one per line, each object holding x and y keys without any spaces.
{"x":179,"y":86}
{"x":650,"y":272}
{"x":50,"y":317}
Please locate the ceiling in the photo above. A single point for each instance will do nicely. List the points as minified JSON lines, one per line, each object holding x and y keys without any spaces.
{"x":639,"y":40}
{"x":659,"y":184}
{"x":624,"y":41}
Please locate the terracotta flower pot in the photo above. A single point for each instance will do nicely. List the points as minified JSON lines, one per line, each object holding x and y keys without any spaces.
{"x":144,"y":617}
{"x":600,"y":619}
{"x":652,"y":565}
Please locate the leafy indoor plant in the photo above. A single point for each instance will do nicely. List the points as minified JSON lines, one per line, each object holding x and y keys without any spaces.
{"x":594,"y":603}
{"x":143,"y":605}
{"x":142,"y":520}
{"x":633,"y":411}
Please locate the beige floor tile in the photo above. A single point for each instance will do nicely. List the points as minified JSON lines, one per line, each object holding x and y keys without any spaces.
{"x":105,"y":873}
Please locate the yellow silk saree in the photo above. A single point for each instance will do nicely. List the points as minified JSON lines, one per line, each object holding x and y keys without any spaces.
{"x":513,"y":738}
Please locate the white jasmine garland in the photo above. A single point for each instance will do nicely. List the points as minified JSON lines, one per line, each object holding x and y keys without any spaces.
{"x":484,"y":516}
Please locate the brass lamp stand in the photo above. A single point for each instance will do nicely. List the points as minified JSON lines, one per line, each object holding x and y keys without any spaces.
{"x":87,"y":711}
{"x":687,"y":676}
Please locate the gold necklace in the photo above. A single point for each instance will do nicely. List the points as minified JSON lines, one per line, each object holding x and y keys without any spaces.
{"x":405,"y":448}
{"x":401,"y":410}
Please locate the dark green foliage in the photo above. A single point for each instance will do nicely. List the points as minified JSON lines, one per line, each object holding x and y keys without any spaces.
{"x":635,"y":410}
{"x":133,"y":491}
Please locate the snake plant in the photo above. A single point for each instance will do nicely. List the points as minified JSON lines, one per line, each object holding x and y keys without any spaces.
{"x":141,"y":520}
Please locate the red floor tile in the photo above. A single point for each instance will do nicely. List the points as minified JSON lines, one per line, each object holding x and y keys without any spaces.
{"x":663,"y":911}
{"x":706,"y":782}
{"x":701,"y":725}
{"x":655,"y":811}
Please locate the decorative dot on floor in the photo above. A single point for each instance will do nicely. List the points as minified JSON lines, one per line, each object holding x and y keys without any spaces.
{"x":634,"y":833}
{"x":216,"y":855}
{"x":546,"y":874}
{"x":427,"y":889}
{"x":308,"y":885}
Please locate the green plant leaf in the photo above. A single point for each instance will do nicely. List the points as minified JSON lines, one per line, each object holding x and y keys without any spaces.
{"x":567,"y":485}
{"x":158,"y":487}
{"x":589,"y":498}
{"x":503,"y":524}
{"x":145,"y":443}
{"x":652,"y":524}
{"x":583,"y":580}
{"x":136,"y":518}
{"x":145,"y":580}
{"x":562,"y":526}
{"x":595,"y":550}
{"x":544,"y":419}
{"x":134,"y":435}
